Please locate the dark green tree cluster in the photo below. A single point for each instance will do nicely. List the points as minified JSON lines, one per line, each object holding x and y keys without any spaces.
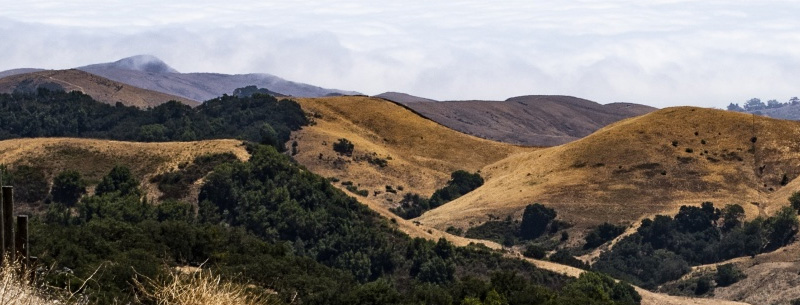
{"x":602,"y":234}
{"x":176,"y":184}
{"x":537,"y":220}
{"x":755,"y":104}
{"x":460,"y":183}
{"x":270,"y":223}
{"x":257,"y":118}
{"x":663,"y":248}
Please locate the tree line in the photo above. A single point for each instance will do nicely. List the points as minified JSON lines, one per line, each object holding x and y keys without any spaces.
{"x":257,"y":118}
{"x":755,"y":104}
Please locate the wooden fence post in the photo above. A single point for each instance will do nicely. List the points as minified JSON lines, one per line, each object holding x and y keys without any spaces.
{"x":8,"y":222}
{"x":2,"y":228}
{"x":21,"y":240}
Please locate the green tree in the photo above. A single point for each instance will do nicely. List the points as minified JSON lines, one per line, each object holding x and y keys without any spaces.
{"x":68,"y":187}
{"x":732,"y":217}
{"x":783,"y":227}
{"x":794,"y":200}
{"x":535,"y":219}
{"x":121,"y":180}
{"x":268,"y":135}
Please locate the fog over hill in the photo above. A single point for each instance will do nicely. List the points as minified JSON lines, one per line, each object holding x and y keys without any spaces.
{"x":149,"y":72}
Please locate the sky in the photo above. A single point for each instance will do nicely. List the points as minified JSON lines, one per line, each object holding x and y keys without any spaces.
{"x":657,"y":52}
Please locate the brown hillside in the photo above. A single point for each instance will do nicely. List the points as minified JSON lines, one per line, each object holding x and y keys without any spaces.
{"x":420,"y":153}
{"x":631,"y":169}
{"x":99,"y":88}
{"x":423,"y":154}
{"x":536,"y":120}
{"x":95,"y":158}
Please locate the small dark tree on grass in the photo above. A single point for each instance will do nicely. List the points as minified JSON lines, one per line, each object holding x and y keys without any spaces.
{"x":68,"y":187}
{"x":344,"y":147}
{"x":728,"y":274}
{"x":535,"y":220}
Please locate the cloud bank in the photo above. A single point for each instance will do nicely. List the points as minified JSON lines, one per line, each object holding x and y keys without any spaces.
{"x":660,"y":53}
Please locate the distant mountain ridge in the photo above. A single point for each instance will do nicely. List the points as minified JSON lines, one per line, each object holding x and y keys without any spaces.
{"x":533,"y":120}
{"x":151,"y":73}
{"x":99,"y":88}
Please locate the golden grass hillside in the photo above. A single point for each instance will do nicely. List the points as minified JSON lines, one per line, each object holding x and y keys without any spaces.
{"x":420,"y":153}
{"x":640,"y":167}
{"x":99,"y":88}
{"x":423,"y":154}
{"x":95,"y":158}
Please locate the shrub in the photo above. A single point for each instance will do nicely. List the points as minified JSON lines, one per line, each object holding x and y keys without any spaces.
{"x":728,"y":274}
{"x":344,"y":147}
{"x":702,"y":286}
{"x":121,"y":180}
{"x":565,"y":258}
{"x":534,"y":251}
{"x":794,"y":201}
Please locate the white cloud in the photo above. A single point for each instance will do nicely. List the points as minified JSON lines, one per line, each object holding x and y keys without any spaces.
{"x":667,"y":52}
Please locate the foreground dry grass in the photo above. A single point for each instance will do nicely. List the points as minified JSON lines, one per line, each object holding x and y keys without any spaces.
{"x":20,"y":290}
{"x":199,"y":288}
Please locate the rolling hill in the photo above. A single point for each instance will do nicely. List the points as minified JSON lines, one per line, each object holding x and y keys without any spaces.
{"x":151,"y":73}
{"x":640,"y":167}
{"x":18,"y":71}
{"x":535,"y":120}
{"x":420,"y":153}
{"x":95,"y":158}
{"x":99,"y":88}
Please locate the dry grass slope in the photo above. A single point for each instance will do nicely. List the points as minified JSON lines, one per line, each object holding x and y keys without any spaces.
{"x":99,"y":88}
{"x":421,"y":154}
{"x":640,"y":167}
{"x":95,"y":158}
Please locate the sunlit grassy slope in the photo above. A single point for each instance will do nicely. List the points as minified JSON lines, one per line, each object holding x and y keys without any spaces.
{"x":643,"y":166}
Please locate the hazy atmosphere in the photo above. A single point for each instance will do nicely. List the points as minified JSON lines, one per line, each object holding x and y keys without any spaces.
{"x":659,"y":53}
